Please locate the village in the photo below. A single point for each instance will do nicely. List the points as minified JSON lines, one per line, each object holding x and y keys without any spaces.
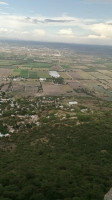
{"x":22,"y":113}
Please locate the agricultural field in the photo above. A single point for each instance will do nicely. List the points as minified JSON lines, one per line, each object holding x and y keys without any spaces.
{"x":32,"y":74}
{"x":52,"y":89}
{"x":4,"y":72}
{"x":74,"y":67}
{"x":24,"y":73}
{"x":37,"y":65}
{"x":67,"y":89}
{"x":106,"y":72}
{"x":16,"y":72}
{"x":55,"y":131}
{"x":99,"y":75}
{"x":65,"y":75}
{"x":81,"y":73}
{"x":109,"y":83}
{"x":43,"y":74}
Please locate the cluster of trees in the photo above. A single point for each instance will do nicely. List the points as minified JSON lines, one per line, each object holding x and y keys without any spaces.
{"x":58,"y":80}
{"x":58,"y":162}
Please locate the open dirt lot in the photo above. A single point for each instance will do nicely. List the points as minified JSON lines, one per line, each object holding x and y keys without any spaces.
{"x":51,"y":89}
{"x":5,"y":72}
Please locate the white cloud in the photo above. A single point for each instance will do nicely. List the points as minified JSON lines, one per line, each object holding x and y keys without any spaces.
{"x":66,"y":32}
{"x":39,"y":32}
{"x":97,"y":36}
{"x":103,"y":30}
{"x":3,"y":3}
{"x":48,"y":29}
{"x":36,"y":34}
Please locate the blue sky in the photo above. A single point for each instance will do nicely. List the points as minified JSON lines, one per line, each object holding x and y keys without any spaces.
{"x":71,"y":21}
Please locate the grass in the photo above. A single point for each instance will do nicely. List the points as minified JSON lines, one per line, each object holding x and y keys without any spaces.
{"x":43,"y":74}
{"x":24,"y":73}
{"x":33,"y":74}
{"x":37,"y":65}
{"x":64,"y":75}
{"x":65,"y":66}
{"x":16,"y":72}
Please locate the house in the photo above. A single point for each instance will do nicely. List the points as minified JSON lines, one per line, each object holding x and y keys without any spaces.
{"x":4,"y":135}
{"x":71,"y":103}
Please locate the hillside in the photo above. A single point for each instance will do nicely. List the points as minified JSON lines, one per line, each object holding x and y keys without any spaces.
{"x":62,"y":156}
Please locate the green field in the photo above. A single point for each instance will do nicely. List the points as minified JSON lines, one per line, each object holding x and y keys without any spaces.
{"x":64,"y":75}
{"x":65,"y":66}
{"x":33,"y":74}
{"x":24,"y":73}
{"x":43,"y":74}
{"x":37,"y":65}
{"x":16,"y":72}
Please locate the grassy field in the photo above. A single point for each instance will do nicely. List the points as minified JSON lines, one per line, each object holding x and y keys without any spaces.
{"x":99,"y":75}
{"x":43,"y":74}
{"x":65,"y":66}
{"x":37,"y":65}
{"x":24,"y":73}
{"x":16,"y":72}
{"x":33,"y":74}
{"x":64,"y":75}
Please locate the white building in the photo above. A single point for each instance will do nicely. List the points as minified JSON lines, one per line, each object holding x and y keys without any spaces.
{"x":54,"y":74}
{"x":71,"y":103}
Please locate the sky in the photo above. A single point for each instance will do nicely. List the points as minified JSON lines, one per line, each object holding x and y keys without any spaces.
{"x":68,"y":21}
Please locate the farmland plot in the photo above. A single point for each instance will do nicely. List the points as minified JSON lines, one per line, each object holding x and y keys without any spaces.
{"x":67,"y":89}
{"x":33,"y":74}
{"x":98,"y":75}
{"x":5,"y":72}
{"x":106,"y":72}
{"x":79,"y":67}
{"x":51,"y":89}
{"x":80,"y":74}
{"x":43,"y":74}
{"x":76,"y":84}
{"x":16,"y":72}
{"x":65,"y":75}
{"x":109,"y":82}
{"x":24,"y":73}
{"x":89,"y":84}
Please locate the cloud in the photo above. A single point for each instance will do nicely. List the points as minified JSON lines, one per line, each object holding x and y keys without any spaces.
{"x":104,"y":30}
{"x":42,"y":20}
{"x":96,"y":36}
{"x":58,"y":21}
{"x":59,"y":29}
{"x":3,"y":3}
{"x":66,"y":32}
{"x":35,"y":34}
{"x":38,"y":32}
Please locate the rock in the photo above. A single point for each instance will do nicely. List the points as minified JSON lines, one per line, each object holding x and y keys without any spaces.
{"x":108,"y":196}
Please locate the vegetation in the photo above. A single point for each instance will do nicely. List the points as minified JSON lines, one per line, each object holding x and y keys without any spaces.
{"x":59,"y":80}
{"x":58,"y":163}
{"x":58,"y":160}
{"x":24,"y":73}
{"x":33,"y":74}
{"x":52,"y":149}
